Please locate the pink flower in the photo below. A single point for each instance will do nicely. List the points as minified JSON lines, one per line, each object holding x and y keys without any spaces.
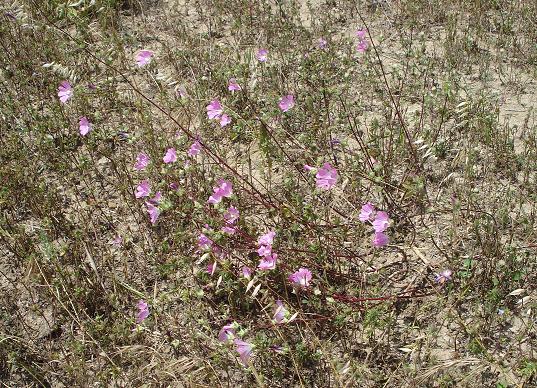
{"x":143,"y":57}
{"x":231,"y":215}
{"x":224,"y":189}
{"x":326,"y":177}
{"x":301,"y":278}
{"x":214,"y":109}
{"x":361,"y":33}
{"x":362,"y":46}
{"x":267,"y":239}
{"x":211,"y":268}
{"x":143,"y":311}
{"x":280,"y":312}
{"x":143,"y":189}
{"x":247,"y":272}
{"x":443,"y":276}
{"x":367,"y":212}
{"x":195,"y":149}
{"x":65,"y":92}
{"x":381,"y":222}
{"x":142,"y":160}
{"x":153,"y":211}
{"x":85,"y":126}
{"x":227,"y":333}
{"x":228,"y":230}
{"x":171,"y":156}
{"x":244,"y":349}
{"x":380,"y":239}
{"x":265,"y":250}
{"x":224,"y":120}
{"x":268,"y":262}
{"x":233,"y":85}
{"x":309,"y":168}
{"x":322,"y":43}
{"x":362,"y":41}
{"x":286,"y":102}
{"x":204,"y":242}
{"x":262,"y":55}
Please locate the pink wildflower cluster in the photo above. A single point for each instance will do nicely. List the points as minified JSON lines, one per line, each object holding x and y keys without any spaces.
{"x":363,"y":44}
{"x":380,"y":221}
{"x":216,"y":112}
{"x":268,"y":258}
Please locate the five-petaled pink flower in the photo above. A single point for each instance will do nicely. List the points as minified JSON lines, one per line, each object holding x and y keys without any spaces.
{"x":286,"y":102}
{"x":366,"y":213}
{"x":262,"y":55}
{"x":280,"y":312}
{"x":224,"y":120}
{"x":322,"y":43}
{"x":143,"y":57}
{"x":65,"y":92}
{"x":195,"y":149}
{"x":301,"y":278}
{"x":171,"y":156}
{"x":142,"y":160}
{"x":233,"y":85}
{"x":224,"y":189}
{"x":380,"y":239}
{"x":214,"y":110}
{"x":268,"y":262}
{"x":326,"y":177}
{"x":84,"y":126}
{"x":227,"y":333}
{"x":381,"y":222}
{"x":143,"y":311}
{"x":244,"y":349}
{"x":143,"y":189}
